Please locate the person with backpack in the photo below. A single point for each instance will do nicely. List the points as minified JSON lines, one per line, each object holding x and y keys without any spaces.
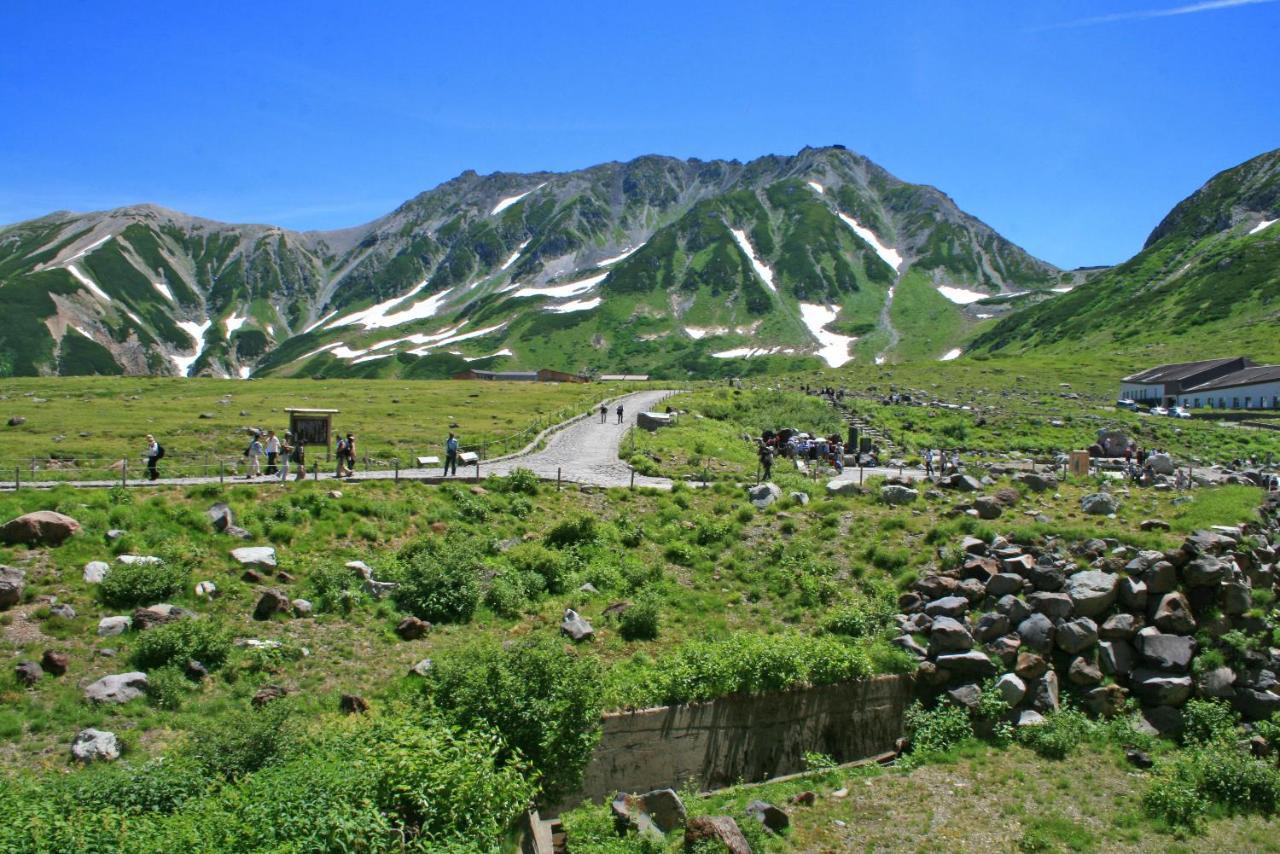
{"x":619,"y":413}
{"x":350,"y":463}
{"x":299,"y":459}
{"x":928,"y":462}
{"x":451,"y":455}
{"x":286,"y":452}
{"x":604,"y":412}
{"x":766,"y":460}
{"x":252,"y":453}
{"x":340,"y":452}
{"x":154,"y":454}
{"x":273,"y":452}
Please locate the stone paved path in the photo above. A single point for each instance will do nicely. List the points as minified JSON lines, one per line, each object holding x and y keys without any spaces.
{"x":583,"y":450}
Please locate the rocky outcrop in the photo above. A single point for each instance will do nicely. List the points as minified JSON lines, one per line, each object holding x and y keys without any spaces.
{"x":41,"y":528}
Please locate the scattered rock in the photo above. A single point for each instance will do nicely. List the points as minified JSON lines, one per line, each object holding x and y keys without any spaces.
{"x":260,"y":556}
{"x":55,"y":662}
{"x":220,"y":517}
{"x":353,"y":704}
{"x":119,"y":688}
{"x":95,"y":571}
{"x":12,"y":582}
{"x":660,"y":810}
{"x":139,"y":560}
{"x":302,"y":608}
{"x":28,"y":672}
{"x":62,"y":611}
{"x":422,"y":668}
{"x":112,"y":626}
{"x":1099,"y":504}
{"x":268,"y":694}
{"x":773,"y":818}
{"x":412,"y":628}
{"x":195,"y":671}
{"x":575,"y":626}
{"x":1153,"y":525}
{"x":764,"y":494}
{"x":270,"y":603}
{"x":41,"y":528}
{"x":987,"y":507}
{"x":1139,"y":759}
{"x":206,"y":589}
{"x":16,"y":421}
{"x":719,"y":829}
{"x":1092,"y":592}
{"x":95,"y":745}
{"x":897,"y":495}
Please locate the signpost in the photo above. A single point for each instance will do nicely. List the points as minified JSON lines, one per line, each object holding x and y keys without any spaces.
{"x":312,"y":426}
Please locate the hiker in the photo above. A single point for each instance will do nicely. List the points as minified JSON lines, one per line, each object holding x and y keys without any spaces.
{"x":351,"y":455}
{"x":766,"y":460}
{"x":286,"y":452}
{"x":955,"y":461}
{"x":451,"y":455}
{"x":273,"y":452}
{"x":153,"y":455}
{"x":619,"y":413}
{"x":340,"y":452}
{"x":604,"y":412}
{"x":299,"y":459}
{"x":928,"y":462}
{"x":251,"y":453}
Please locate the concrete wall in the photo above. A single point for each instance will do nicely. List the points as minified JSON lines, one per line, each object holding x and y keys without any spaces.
{"x":721,"y":742}
{"x":1259,"y":396}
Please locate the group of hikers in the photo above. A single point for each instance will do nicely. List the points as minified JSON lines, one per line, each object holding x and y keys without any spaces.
{"x":794,"y":445}
{"x":937,"y":463}
{"x":281,"y":454}
{"x":604,"y":412}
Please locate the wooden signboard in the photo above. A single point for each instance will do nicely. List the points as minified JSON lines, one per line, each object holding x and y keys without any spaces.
{"x":311,"y":426}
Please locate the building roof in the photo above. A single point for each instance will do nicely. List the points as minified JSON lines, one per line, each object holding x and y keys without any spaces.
{"x":505,"y":375}
{"x":1249,"y":376}
{"x":1181,"y":370}
{"x":623,"y":377}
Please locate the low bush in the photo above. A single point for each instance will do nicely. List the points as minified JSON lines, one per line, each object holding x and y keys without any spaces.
{"x":1197,"y":780}
{"x":176,"y":643}
{"x":439,"y":580}
{"x":544,"y":702}
{"x":244,"y":741}
{"x":580,"y":530}
{"x":335,"y":589}
{"x":640,"y":620}
{"x":937,"y":730}
{"x":129,"y":585}
{"x":551,"y":566}
{"x":1208,"y":722}
{"x":1062,"y":732}
{"x":167,"y":687}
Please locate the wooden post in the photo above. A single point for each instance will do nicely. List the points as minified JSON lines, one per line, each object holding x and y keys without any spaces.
{"x":477,"y":468}
{"x":557,"y":478}
{"x":633,"y":478}
{"x":17,"y":478}
{"x":222,"y":473}
{"x":397,"y":469}
{"x":859,"y":473}
{"x":124,"y":472}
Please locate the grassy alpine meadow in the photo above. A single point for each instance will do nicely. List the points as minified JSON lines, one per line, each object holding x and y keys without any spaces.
{"x":99,"y":420}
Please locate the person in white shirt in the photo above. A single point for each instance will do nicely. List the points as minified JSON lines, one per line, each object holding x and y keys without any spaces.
{"x":273,"y":452}
{"x":252,"y":453}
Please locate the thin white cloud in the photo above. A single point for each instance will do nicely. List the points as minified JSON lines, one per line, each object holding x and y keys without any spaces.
{"x":1147,"y":14}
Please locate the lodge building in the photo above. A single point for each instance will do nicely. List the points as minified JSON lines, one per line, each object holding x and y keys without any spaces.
{"x":1232,"y":383}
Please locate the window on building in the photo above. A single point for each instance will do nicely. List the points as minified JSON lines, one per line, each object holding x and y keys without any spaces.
{"x":1197,"y":404}
{"x":1248,"y":401}
{"x":1235,"y":403}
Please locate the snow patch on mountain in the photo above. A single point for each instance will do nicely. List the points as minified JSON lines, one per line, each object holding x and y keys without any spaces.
{"x":319,"y":322}
{"x":749,"y":352}
{"x":571,"y":289}
{"x":950,"y":354}
{"x":697,"y":333}
{"x":1266,"y":223}
{"x":834,"y":348}
{"x":514,"y":256}
{"x":233,"y":323}
{"x":245,"y":371}
{"x":817,"y":188}
{"x":86,"y":250}
{"x":503,"y":352}
{"x":453,"y":339}
{"x":89,"y":284}
{"x":575,"y":305}
{"x":196,"y":331}
{"x":762,"y":270}
{"x":511,"y":200}
{"x":164,"y":291}
{"x":887,"y":253}
{"x":626,"y":253}
{"x":960,"y":296}
{"x":381,"y":316}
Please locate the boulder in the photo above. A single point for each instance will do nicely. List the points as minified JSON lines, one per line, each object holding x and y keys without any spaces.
{"x":16,"y":421}
{"x":720,"y":832}
{"x":1120,"y":627}
{"x":948,"y":606}
{"x":1159,"y":688}
{"x":1161,"y":463}
{"x":267,"y":694}
{"x":988,"y":507}
{"x":139,"y":560}
{"x":1046,"y":577}
{"x":1218,"y":682}
{"x":1075,"y":636}
{"x":1236,"y":598}
{"x":261,"y":556}
{"x":973,"y":546}
{"x":1037,"y":482}
{"x":28,"y":673}
{"x":112,"y":626}
{"x":1256,"y":705}
{"x":1028,"y":717}
{"x":1173,"y":614}
{"x":423,"y":667}
{"x":843,"y":487}
{"x":773,"y":818}
{"x":1055,"y":606}
{"x":1030,"y":666}
{"x":1132,"y":594}
{"x":764,"y":494}
{"x":1099,"y":504}
{"x":1161,"y":578}
{"x":1167,"y":652}
{"x":965,"y":696}
{"x":270,"y":603}
{"x":990,"y":626}
{"x":1011,"y":689}
{"x":1013,"y":608}
{"x":1092,"y":592}
{"x":1153,"y":525}
{"x":95,"y":745}
{"x":961,"y":483}
{"x":412,"y":628}
{"x":12,"y":583}
{"x":1107,"y":700}
{"x":353,"y":704}
{"x":577,"y":628}
{"x":660,"y":810}
{"x":1205,"y":571}
{"x":1019,"y":565}
{"x":1112,"y":442}
{"x":967,"y":665}
{"x":1044,"y":692}
{"x":908,"y":643}
{"x":220,"y":517}
{"x":302,"y":608}
{"x":55,"y":662}
{"x":95,"y":571}
{"x":1115,"y":657}
{"x":119,"y":688}
{"x":1083,"y":672}
{"x":949,"y":635}
{"x":1004,"y":583}
{"x":897,"y":495}
{"x":1037,"y":633}
{"x":41,"y":528}
{"x":206,"y":589}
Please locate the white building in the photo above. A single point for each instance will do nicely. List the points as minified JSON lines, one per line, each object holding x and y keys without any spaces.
{"x":1163,"y":385}
{"x":1256,"y":387}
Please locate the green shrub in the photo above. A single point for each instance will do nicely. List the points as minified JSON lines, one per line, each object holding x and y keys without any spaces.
{"x":544,"y":702}
{"x":863,"y":617}
{"x":640,"y":620}
{"x":439,"y":579}
{"x":507,"y":595}
{"x":1186,"y":787}
{"x":580,"y":530}
{"x":1207,"y":722}
{"x":936,"y":730}
{"x":1062,"y":733}
{"x":335,"y":589}
{"x":520,"y":480}
{"x":167,"y":687}
{"x":551,"y":566}
{"x":244,"y":741}
{"x":128,"y":585}
{"x":176,"y":643}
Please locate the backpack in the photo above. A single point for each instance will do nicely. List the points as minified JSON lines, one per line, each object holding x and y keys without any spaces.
{"x":342,"y":447}
{"x":159,"y":451}
{"x":296,"y":455}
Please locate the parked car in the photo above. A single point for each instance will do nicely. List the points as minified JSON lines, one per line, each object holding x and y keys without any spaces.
{"x":1126,"y":403}
{"x":1159,"y":410}
{"x":1179,"y":412}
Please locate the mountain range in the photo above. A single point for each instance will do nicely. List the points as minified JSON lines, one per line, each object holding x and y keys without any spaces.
{"x":658,"y":265}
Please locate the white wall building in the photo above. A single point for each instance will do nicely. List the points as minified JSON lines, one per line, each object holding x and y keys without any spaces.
{"x":1256,"y":387}
{"x":1164,"y":384}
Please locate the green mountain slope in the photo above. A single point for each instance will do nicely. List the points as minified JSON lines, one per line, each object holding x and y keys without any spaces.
{"x":1207,"y":282}
{"x":657,"y":265}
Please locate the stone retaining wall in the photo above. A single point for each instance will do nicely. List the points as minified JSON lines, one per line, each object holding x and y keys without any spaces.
{"x":721,"y":742}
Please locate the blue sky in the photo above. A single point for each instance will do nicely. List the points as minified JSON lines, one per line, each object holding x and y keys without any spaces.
{"x":1070,"y":127}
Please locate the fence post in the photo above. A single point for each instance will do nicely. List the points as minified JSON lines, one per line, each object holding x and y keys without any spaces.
{"x":633,"y":478}
{"x":859,"y":474}
{"x":315,"y":467}
{"x":17,"y":478}
{"x":124,"y":472}
{"x":397,"y":469}
{"x":557,"y":478}
{"x":477,"y":468}
{"x":222,"y":473}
